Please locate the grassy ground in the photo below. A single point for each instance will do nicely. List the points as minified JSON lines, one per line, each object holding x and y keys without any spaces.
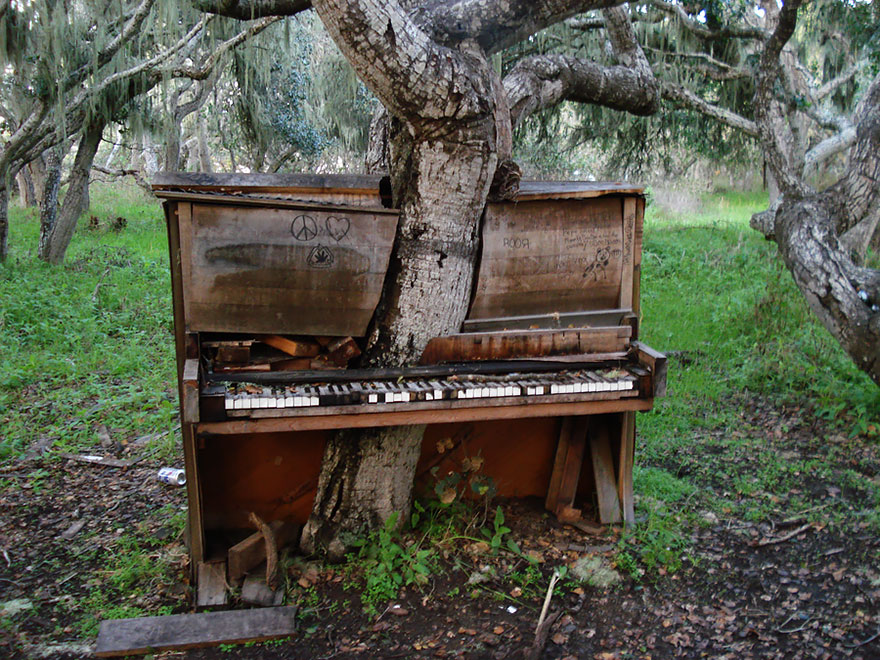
{"x":766,"y":420}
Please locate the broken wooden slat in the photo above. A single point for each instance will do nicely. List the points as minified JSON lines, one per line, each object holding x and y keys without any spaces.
{"x":567,"y":468}
{"x":120,"y":637}
{"x":625,"y":466}
{"x":657,"y":362}
{"x":212,"y":584}
{"x":99,"y":460}
{"x":251,"y":552}
{"x":603,"y":471}
{"x":235,"y":354}
{"x":190,"y":391}
{"x":293,"y":347}
{"x":590,"y":319}
{"x":505,"y":345}
{"x":340,"y":351}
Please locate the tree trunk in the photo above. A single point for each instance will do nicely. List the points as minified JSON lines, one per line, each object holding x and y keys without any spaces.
{"x":76,"y":201}
{"x":204,"y":150}
{"x":26,"y":193}
{"x":49,"y":201}
{"x":367,"y":475}
{"x":4,"y":220}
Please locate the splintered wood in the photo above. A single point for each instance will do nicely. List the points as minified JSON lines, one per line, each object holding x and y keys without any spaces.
{"x":121,"y":637}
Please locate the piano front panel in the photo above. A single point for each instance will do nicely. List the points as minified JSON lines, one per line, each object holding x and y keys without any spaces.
{"x":283,"y":270}
{"x":554,"y":256}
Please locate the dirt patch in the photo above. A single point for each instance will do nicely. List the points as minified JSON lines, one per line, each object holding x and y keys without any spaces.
{"x":81,"y":542}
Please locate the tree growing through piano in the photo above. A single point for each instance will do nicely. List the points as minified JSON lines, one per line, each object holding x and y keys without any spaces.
{"x":447,"y":144}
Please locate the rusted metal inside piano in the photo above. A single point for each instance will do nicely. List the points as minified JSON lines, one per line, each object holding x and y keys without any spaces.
{"x":275,"y":280}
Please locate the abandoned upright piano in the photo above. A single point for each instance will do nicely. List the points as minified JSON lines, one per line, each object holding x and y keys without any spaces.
{"x":275,"y":279}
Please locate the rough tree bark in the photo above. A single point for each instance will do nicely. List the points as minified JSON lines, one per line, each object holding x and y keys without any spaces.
{"x":55,"y":236}
{"x":49,"y":200}
{"x":845,"y":297}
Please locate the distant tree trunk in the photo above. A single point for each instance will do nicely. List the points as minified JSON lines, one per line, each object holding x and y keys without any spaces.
{"x":54,"y":244}
{"x":4,"y":220}
{"x":37,"y":171}
{"x":26,"y":194}
{"x":49,"y":201}
{"x":203,"y":149}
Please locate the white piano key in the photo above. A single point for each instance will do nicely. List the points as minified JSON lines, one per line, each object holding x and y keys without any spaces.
{"x":229,"y":403}
{"x":313,"y":401}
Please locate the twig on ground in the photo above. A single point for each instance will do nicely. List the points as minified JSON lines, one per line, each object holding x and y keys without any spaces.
{"x":784,"y":537}
{"x":541,"y":635}
{"x":553,"y":580}
{"x":864,"y":641}
{"x":782,"y":630}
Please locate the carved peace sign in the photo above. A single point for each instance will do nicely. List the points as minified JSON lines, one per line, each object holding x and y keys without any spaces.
{"x":304,"y":228}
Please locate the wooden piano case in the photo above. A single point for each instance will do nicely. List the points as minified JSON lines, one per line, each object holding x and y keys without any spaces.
{"x":305,"y":256}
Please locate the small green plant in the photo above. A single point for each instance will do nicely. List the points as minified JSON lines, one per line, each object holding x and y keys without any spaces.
{"x":389,"y":563}
{"x":497,"y":533}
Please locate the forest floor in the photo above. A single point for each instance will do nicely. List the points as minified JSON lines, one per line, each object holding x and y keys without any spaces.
{"x":757,"y":478}
{"x":804,"y":582}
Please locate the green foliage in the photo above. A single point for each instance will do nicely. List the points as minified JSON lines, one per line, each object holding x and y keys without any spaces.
{"x":91,"y":340}
{"x":390,"y":563}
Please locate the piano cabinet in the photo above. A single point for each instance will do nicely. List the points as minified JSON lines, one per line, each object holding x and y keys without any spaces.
{"x":542,"y":380}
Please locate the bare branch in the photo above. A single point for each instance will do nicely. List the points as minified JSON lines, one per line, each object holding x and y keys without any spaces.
{"x":679,"y":94}
{"x":131,"y":26}
{"x":828,"y":148}
{"x":202,"y":72}
{"x":715,"y":69}
{"x":834,"y":84}
{"x":700,"y":30}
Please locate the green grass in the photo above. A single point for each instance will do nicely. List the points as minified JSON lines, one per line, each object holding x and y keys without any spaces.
{"x":91,"y":338}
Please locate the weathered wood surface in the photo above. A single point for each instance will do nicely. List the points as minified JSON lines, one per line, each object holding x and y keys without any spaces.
{"x":604,"y":476}
{"x":553,"y":256}
{"x":592,"y":319}
{"x":507,"y":344}
{"x":534,"y":190}
{"x":190,"y":391}
{"x":625,"y":466}
{"x":656,"y":361}
{"x":264,"y":182}
{"x":211,"y":584}
{"x":282,"y":271}
{"x":567,"y":468}
{"x":120,"y":637}
{"x":391,"y":414}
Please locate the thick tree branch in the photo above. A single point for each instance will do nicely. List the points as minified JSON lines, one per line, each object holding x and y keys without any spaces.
{"x":246,"y":10}
{"x":544,"y":80}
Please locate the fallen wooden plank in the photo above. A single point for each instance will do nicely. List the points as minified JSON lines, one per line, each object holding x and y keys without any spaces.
{"x":212,"y":584}
{"x":120,"y":637}
{"x":342,"y":350}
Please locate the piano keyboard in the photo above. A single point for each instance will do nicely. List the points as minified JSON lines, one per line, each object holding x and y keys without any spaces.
{"x":240,"y":396}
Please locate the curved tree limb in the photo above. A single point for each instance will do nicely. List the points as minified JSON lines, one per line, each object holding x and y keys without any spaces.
{"x":687,"y":98}
{"x":700,"y":30}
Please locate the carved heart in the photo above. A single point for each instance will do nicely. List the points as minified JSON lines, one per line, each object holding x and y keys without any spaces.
{"x":338,"y":227}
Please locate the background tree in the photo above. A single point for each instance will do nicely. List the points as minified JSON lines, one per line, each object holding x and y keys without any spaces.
{"x":73,"y":70}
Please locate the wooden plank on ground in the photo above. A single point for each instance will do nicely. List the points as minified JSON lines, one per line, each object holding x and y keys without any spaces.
{"x":212,"y":584}
{"x":567,"y":468}
{"x":251,"y":552}
{"x":120,"y":637}
{"x":603,"y":471}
